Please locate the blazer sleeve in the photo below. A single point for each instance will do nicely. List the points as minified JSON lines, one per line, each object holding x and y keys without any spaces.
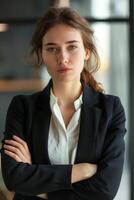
{"x":104,"y":184}
{"x":24,"y":178}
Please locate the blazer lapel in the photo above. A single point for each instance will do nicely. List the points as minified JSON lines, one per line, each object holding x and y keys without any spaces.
{"x":40,"y":127}
{"x":90,"y":115}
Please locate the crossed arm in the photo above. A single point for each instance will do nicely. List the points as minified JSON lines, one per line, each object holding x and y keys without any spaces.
{"x":18,"y":149}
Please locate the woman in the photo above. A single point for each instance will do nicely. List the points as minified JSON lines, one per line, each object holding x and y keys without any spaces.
{"x":65,"y":142}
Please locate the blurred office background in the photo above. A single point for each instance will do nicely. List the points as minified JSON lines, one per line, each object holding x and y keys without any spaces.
{"x":112,"y":21}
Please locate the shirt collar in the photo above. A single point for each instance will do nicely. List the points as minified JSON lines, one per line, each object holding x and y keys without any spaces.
{"x":53,"y":100}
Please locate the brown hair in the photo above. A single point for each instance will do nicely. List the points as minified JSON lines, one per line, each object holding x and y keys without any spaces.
{"x":68,"y":16}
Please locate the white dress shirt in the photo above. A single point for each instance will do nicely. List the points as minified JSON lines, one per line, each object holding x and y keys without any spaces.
{"x":62,"y":140}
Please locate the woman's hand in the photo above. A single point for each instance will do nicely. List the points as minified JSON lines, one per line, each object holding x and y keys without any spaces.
{"x":83,"y":171}
{"x":17,"y":149}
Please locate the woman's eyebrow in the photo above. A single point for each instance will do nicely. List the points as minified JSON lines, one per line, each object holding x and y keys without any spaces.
{"x":49,"y":43}
{"x":72,"y":41}
{"x":68,"y":42}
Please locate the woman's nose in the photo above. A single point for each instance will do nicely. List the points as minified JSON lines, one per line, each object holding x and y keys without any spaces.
{"x":62,"y":57}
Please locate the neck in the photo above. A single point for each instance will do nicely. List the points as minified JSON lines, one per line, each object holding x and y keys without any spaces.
{"x":67,"y":93}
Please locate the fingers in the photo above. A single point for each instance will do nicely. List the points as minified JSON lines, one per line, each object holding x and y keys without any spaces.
{"x":14,"y":151}
{"x":18,"y":142}
{"x":16,"y":145}
{"x":13,"y":155}
{"x":17,"y":149}
{"x":22,"y":142}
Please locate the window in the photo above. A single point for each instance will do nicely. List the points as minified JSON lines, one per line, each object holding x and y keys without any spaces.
{"x":110,"y":21}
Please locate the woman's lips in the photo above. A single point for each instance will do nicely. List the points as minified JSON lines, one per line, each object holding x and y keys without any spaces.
{"x":63,"y":70}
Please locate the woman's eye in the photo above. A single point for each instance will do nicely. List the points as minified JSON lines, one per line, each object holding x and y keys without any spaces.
{"x":72,"y":47}
{"x":52,"y":49}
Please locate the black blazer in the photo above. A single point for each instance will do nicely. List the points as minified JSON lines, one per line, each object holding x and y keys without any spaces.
{"x":102,"y":129}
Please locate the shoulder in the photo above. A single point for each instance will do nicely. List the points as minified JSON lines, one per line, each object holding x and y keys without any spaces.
{"x":108,"y":104}
{"x":101,"y":100}
{"x":112,"y":106}
{"x":31,"y":100}
{"x":108,"y":100}
{"x":25,"y":100}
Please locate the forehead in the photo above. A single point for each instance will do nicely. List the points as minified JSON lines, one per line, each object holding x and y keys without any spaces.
{"x":62,"y":33}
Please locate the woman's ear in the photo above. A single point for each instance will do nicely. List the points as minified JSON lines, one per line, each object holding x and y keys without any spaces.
{"x":87,"y":54}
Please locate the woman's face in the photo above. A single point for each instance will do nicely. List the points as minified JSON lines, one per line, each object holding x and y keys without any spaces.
{"x":63,"y":53}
